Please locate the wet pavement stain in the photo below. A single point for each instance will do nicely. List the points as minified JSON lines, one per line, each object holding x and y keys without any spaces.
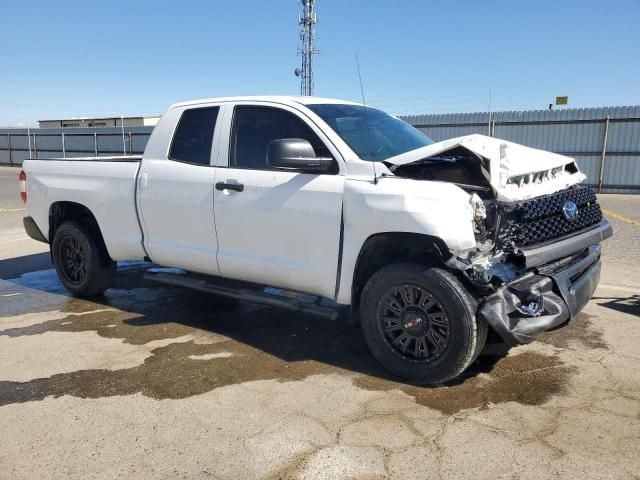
{"x":579,"y":330}
{"x":108,"y":324}
{"x":264,"y":343}
{"x":529,"y":378}
{"x":175,"y":371}
{"x":169,"y":373}
{"x":164,"y":312}
{"x":259,"y":343}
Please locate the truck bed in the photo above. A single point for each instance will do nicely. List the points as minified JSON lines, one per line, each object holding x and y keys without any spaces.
{"x":117,"y":158}
{"x":104,"y":185}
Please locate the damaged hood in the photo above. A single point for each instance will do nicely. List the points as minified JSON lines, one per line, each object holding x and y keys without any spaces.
{"x":515,"y":172}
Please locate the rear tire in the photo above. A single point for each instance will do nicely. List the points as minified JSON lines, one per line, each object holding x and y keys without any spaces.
{"x":420,"y":323}
{"x":81,"y":260}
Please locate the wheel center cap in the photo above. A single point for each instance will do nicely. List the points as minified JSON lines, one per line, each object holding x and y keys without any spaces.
{"x":414,"y":323}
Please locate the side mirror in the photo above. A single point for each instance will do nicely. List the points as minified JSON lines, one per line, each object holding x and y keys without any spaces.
{"x":296,"y":154}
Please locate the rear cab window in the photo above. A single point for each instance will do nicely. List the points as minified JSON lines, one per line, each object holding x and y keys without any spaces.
{"x":194,"y":135}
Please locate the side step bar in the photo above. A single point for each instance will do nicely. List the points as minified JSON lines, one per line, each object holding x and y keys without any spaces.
{"x":243,"y":291}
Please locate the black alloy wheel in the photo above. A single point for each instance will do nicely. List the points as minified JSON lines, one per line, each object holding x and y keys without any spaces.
{"x":74,"y":259}
{"x":415,"y":324}
{"x":419,"y":322}
{"x":81,"y":259}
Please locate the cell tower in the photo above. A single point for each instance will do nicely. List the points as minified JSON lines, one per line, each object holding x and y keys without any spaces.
{"x":307,"y":19}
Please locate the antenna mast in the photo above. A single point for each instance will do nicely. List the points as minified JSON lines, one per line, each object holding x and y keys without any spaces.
{"x":307,"y":19}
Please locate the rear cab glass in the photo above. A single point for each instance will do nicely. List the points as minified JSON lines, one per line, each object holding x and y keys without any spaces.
{"x":194,"y":135}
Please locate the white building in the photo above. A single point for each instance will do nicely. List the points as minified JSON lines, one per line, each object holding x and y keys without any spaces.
{"x":100,"y":122}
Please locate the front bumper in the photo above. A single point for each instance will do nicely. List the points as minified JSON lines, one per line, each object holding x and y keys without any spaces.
{"x":566,"y":246}
{"x":544,"y":298}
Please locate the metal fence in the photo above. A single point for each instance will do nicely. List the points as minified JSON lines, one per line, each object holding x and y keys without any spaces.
{"x":604,"y":141}
{"x":17,"y":144}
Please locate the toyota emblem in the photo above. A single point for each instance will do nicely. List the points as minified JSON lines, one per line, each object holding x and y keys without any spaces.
{"x":570,"y":210}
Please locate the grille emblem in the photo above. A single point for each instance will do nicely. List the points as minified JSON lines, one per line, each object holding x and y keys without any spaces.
{"x":570,"y":210}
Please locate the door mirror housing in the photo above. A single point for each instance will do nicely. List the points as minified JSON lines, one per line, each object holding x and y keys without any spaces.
{"x":296,"y":154}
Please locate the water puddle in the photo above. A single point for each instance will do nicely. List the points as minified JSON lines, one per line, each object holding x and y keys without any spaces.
{"x":580,"y":331}
{"x":529,"y":378}
{"x":200,"y":343}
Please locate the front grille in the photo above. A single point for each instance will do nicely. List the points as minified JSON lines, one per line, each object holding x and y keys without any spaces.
{"x":541,"y":219}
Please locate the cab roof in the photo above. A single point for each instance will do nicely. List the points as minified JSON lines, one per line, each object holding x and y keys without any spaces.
{"x":267,"y":98}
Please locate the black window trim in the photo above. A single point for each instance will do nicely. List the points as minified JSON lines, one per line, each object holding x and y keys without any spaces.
{"x":232,"y":128}
{"x":213,"y":137}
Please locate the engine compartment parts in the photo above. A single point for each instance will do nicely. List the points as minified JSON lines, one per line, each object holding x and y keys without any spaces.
{"x":458,"y":166}
{"x":513,"y":172}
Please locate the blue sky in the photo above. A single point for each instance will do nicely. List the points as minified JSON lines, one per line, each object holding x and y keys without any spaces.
{"x":79,"y":58}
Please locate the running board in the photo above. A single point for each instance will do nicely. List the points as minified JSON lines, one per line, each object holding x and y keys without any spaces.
{"x":274,"y":297}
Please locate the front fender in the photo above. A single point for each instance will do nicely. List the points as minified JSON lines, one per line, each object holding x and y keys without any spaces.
{"x":437,"y":209}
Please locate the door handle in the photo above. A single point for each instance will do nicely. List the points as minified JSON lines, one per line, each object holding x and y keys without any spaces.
{"x":144,"y":180}
{"x":238,"y":187}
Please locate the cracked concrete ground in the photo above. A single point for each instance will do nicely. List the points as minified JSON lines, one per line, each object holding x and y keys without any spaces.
{"x":160,"y":382}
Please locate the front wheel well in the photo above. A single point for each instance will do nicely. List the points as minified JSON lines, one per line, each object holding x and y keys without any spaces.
{"x":384,"y":249}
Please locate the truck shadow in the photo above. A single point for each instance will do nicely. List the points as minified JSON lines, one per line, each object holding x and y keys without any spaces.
{"x":291,"y":337}
{"x":204,"y":343}
{"x":629,"y":305}
{"x":14,"y":267}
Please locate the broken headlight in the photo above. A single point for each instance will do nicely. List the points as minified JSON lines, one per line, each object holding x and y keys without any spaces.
{"x":479,"y":214}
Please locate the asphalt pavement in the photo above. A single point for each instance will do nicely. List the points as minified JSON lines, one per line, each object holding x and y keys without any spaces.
{"x":152,"y":381}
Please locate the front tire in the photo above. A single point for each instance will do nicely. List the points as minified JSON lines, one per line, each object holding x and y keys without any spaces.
{"x":420,"y":323}
{"x":81,"y":260}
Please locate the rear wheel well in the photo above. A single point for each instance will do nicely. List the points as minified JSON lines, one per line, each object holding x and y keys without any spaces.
{"x":384,"y":249}
{"x":60,"y":212}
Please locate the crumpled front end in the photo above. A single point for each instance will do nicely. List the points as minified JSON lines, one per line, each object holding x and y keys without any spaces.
{"x":512,"y":171}
{"x":543,"y":299}
{"x":541,"y":264}
{"x":536,"y":259}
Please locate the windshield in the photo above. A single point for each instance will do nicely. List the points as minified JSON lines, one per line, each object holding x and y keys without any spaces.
{"x":372,"y":134}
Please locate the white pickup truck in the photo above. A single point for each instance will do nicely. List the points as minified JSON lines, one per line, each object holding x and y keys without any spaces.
{"x":316,"y":204}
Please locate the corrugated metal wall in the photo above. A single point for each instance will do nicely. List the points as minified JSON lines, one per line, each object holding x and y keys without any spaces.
{"x":578,"y":132}
{"x":78,"y":142}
